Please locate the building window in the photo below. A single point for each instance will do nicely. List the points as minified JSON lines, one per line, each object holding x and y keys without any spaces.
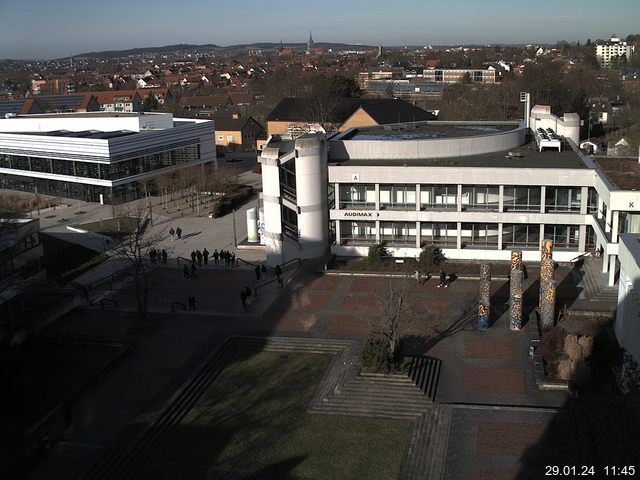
{"x":563,"y":236}
{"x":357,"y":233}
{"x":480,"y":197}
{"x":398,"y":196}
{"x":520,"y":236}
{"x":438,"y":234}
{"x":357,"y":196}
{"x":479,"y":235}
{"x":563,"y":199}
{"x":290,"y":223}
{"x":229,"y":138}
{"x":398,"y":233}
{"x":521,"y":199}
{"x":592,"y":201}
{"x":438,"y":196}
{"x":221,"y":138}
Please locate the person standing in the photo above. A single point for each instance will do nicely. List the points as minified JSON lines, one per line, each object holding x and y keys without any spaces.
{"x":205,"y":257}
{"x":257,"y":272}
{"x":192,"y":303}
{"x":199,"y":257}
{"x":243,"y":299}
{"x":172,"y":234}
{"x":164,"y":256}
{"x":185,"y":273}
{"x":247,"y":294}
{"x":417,"y":277}
{"x":443,"y":279}
{"x":278,"y":272}
{"x":179,"y":233}
{"x":194,"y":271}
{"x":216,"y":258}
{"x":233,"y":259}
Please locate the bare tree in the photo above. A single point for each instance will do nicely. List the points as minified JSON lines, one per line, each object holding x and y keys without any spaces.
{"x":397,"y":312}
{"x":134,"y":251}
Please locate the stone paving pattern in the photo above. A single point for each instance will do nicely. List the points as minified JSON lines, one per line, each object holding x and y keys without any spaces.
{"x":480,"y":370}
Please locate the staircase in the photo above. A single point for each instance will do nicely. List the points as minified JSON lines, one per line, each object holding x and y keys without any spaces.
{"x":594,"y":283}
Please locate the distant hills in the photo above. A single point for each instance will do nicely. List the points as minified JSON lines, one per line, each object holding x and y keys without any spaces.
{"x":188,"y":48}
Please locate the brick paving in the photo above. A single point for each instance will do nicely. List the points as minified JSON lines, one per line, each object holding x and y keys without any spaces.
{"x":478,"y":368}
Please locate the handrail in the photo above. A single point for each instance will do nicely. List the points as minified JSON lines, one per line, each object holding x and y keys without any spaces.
{"x":173,"y":306}
{"x":238,"y":259}
{"x":110,"y":300}
{"x":291,"y":261}
{"x":110,"y":278}
{"x":183,"y":258}
{"x":279,"y":280}
{"x":582,"y":255}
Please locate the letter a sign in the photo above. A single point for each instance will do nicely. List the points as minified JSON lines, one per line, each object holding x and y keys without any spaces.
{"x":355,"y":177}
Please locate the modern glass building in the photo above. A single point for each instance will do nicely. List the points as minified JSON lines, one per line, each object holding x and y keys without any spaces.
{"x":98,"y":157}
{"x":477,"y":189}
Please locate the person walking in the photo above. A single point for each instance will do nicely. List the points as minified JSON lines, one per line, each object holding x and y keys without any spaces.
{"x":185,"y":273}
{"x":192,"y":303}
{"x":199,"y":257}
{"x":179,"y":233}
{"x":243,"y":299}
{"x":247,"y":293}
{"x":257,"y":272}
{"x":194,"y":271}
{"x":172,"y":234}
{"x":233,"y":259}
{"x":205,"y":257}
{"x":164,"y":256}
{"x":443,"y":279}
{"x":278,"y":272}
{"x":216,"y":258}
{"x":193,"y":256}
{"x":263,"y":269}
{"x":417,"y":277}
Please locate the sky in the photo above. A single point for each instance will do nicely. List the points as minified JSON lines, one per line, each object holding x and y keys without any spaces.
{"x":44,"y":29}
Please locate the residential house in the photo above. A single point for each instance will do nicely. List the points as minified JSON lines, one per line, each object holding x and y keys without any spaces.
{"x":120,"y":101}
{"x":237,"y":133}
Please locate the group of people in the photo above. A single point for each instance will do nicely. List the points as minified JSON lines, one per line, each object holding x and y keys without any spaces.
{"x":261,"y":270}
{"x":444,"y":281}
{"x":175,"y":234}
{"x":158,"y":255}
{"x":223,"y":257}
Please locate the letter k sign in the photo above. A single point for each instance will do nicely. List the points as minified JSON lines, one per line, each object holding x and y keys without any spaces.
{"x":631,"y":205}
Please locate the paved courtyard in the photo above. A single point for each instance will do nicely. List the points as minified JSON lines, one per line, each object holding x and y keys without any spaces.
{"x":498,"y":418}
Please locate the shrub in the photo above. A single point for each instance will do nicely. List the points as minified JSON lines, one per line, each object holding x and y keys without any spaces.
{"x":376,"y":356}
{"x":552,"y":344}
{"x":377,"y":252}
{"x":220,"y":208}
{"x":431,"y":256}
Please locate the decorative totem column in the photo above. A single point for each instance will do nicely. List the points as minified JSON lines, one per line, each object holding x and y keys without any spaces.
{"x":547,"y":267}
{"x":546,"y":251}
{"x":515,"y":288}
{"x":485,"y":296}
{"x":548,"y":304}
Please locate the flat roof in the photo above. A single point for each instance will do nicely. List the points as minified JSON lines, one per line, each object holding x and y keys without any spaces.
{"x":428,"y":130}
{"x":624,"y":173}
{"x":84,"y":134}
{"x":527,"y":156}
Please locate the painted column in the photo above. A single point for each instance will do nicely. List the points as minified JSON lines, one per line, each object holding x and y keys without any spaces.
{"x":547,"y":249}
{"x":515,"y":290}
{"x":612,"y":270}
{"x":548,"y":304}
{"x":615,"y":224}
{"x":485,"y":296}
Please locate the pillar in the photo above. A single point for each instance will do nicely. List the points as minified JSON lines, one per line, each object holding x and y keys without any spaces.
{"x":484,"y":296}
{"x":546,"y":250}
{"x":516,"y":260}
{"x":548,"y":304}
{"x":515,"y":290}
{"x":515,"y":312}
{"x":612,"y":270}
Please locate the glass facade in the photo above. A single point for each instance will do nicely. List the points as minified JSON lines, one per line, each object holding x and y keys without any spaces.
{"x":104,"y":171}
{"x":357,"y":196}
{"x":521,"y":199}
{"x":563,"y":236}
{"x":563,"y":199}
{"x":520,"y":236}
{"x":398,"y":196}
{"x":357,"y":233}
{"x":438,"y":234}
{"x":480,"y":197}
{"x":479,"y":235}
{"x":438,"y":196}
{"x":398,"y":233}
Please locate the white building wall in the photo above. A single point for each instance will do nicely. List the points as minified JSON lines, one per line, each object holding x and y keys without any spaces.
{"x":627,"y":322}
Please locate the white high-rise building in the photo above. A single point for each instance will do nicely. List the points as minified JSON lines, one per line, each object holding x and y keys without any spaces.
{"x":606,"y":53}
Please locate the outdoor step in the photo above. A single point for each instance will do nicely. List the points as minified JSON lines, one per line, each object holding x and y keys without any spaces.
{"x":344,"y":413}
{"x":373,"y":406}
{"x":384,"y":395}
{"x":425,"y":373}
{"x":438,"y":442}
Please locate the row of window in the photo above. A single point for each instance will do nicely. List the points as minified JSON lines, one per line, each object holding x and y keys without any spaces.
{"x":111,"y":171}
{"x":446,"y":234}
{"x":473,"y":197}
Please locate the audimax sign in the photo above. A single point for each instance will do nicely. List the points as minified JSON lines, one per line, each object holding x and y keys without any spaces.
{"x":364,"y":215}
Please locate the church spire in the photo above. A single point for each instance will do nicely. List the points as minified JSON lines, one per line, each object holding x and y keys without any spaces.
{"x":309,"y":43}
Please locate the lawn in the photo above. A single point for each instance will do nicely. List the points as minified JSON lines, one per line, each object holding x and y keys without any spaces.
{"x":114,"y":227}
{"x":253,"y":418}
